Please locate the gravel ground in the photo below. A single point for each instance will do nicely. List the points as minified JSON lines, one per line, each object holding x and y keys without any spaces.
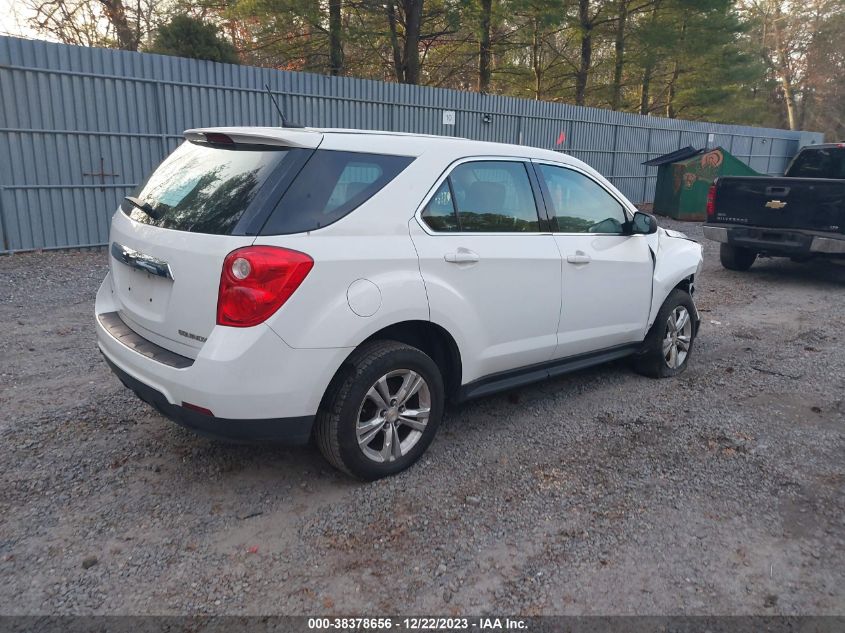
{"x":602,"y":492}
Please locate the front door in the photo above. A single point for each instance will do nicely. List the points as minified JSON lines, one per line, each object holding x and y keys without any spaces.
{"x":493,"y":278}
{"x":607,"y":275}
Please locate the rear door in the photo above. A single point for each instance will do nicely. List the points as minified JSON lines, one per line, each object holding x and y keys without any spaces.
{"x":168,"y":245}
{"x":607,"y":275}
{"x":491,"y":273}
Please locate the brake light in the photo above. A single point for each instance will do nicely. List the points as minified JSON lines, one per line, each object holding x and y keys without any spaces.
{"x":218,"y":138}
{"x":256,"y":281}
{"x":711,"y":202}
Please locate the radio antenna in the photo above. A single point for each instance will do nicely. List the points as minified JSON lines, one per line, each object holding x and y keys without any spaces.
{"x":285,"y":122}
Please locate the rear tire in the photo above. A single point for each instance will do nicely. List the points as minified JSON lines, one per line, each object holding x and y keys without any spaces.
{"x":736,"y":257}
{"x":367,"y":426}
{"x":657,"y":359}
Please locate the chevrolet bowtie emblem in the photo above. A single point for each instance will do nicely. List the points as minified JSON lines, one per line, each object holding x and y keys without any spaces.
{"x":775,"y":204}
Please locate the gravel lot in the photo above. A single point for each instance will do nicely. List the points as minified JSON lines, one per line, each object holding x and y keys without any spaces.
{"x":720,"y":492}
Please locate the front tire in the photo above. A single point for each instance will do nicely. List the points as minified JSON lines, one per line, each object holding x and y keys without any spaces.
{"x":668,"y":345}
{"x":736,"y":257}
{"x":381,"y":410}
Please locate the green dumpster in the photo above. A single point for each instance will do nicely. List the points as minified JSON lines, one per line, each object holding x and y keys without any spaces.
{"x":684,"y":178}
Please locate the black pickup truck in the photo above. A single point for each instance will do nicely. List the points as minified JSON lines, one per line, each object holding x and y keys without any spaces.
{"x":801,"y":215}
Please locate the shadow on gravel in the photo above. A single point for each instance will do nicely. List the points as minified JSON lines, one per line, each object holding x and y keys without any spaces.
{"x":815,"y":273}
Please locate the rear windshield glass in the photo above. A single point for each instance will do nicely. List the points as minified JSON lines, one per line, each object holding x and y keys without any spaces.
{"x":331,"y":185}
{"x":204,"y":188}
{"x":819,"y":163}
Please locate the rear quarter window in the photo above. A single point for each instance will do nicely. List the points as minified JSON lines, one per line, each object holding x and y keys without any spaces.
{"x":330,"y":186}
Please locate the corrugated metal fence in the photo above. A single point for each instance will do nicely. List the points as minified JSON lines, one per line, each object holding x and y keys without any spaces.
{"x":81,"y":127}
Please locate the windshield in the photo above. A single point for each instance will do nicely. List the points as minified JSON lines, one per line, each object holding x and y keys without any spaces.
{"x":202,"y":188}
{"x":826,"y":162}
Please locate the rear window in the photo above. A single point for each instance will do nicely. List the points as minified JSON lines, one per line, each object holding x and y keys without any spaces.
{"x":204,"y":188}
{"x":819,"y":163}
{"x":331,"y":185}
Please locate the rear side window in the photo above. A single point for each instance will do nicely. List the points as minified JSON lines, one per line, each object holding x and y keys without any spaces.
{"x":485,"y":197}
{"x":331,"y":185}
{"x":204,"y":188}
{"x":819,"y":163}
{"x":440,"y":212}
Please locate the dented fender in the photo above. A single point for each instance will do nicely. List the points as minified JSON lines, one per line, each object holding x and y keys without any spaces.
{"x":676,"y":258}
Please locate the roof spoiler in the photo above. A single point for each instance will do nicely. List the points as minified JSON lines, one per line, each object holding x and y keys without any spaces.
{"x":279,"y":137}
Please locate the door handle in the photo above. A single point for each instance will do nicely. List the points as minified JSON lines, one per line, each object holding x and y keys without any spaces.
{"x":579,"y":258}
{"x":461,"y":256}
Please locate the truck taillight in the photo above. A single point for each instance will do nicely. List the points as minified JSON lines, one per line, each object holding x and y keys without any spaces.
{"x":711,"y":202}
{"x":256,"y":281}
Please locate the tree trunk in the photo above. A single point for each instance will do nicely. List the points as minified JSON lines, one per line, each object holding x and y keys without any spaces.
{"x":398,"y":66}
{"x":127,"y":38}
{"x":789,"y":99}
{"x":785,"y":71}
{"x":672,"y":89}
{"x":537,"y":61}
{"x":413,"y":23}
{"x":484,"y":46}
{"x":583,"y":73}
{"x":335,"y":37}
{"x":648,"y":70}
{"x":621,"y":21}
{"x":645,"y":87}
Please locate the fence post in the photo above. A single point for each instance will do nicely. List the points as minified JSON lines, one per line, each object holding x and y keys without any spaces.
{"x":3,"y":221}
{"x":769,"y":159}
{"x":162,"y":134}
{"x":612,"y":177}
{"x":645,"y":167}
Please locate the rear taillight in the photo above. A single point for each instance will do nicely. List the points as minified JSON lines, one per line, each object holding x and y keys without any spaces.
{"x":711,"y":202}
{"x":256,"y":281}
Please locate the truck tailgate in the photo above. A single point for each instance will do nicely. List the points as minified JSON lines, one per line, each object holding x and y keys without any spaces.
{"x":812,"y":204}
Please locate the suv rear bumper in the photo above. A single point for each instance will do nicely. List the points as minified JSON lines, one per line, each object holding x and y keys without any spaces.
{"x":254,"y":385}
{"x":284,"y":430}
{"x":774,"y":241}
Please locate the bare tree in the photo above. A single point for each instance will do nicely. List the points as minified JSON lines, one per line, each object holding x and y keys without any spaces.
{"x":96,"y":22}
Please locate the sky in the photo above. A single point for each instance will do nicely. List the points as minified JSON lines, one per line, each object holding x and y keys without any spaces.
{"x":12,"y":20}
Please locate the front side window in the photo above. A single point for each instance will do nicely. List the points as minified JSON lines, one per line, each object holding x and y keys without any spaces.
{"x":331,"y":185}
{"x":579,"y":204}
{"x":484,"y":197}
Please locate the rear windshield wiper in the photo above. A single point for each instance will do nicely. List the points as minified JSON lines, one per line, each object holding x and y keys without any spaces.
{"x":143,"y":206}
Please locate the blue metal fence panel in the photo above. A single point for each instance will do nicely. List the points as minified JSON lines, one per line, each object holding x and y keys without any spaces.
{"x":81,"y":127}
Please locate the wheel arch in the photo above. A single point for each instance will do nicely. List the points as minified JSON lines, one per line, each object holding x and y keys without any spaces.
{"x":430,"y":338}
{"x":677,"y":263}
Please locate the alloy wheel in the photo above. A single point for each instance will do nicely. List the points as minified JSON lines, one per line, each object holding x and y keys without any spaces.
{"x":678,"y":337}
{"x":393,"y":415}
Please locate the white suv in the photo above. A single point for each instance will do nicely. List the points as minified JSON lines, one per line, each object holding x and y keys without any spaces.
{"x":284,"y":284}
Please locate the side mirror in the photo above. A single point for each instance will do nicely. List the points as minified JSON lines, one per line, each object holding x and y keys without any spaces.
{"x":643,"y":224}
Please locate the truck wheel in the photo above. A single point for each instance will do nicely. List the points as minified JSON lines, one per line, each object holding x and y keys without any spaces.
{"x":381,"y":410}
{"x":735,"y":257}
{"x":668,"y":344}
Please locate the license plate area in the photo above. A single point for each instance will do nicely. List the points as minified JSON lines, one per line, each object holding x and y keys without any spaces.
{"x":142,"y":294}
